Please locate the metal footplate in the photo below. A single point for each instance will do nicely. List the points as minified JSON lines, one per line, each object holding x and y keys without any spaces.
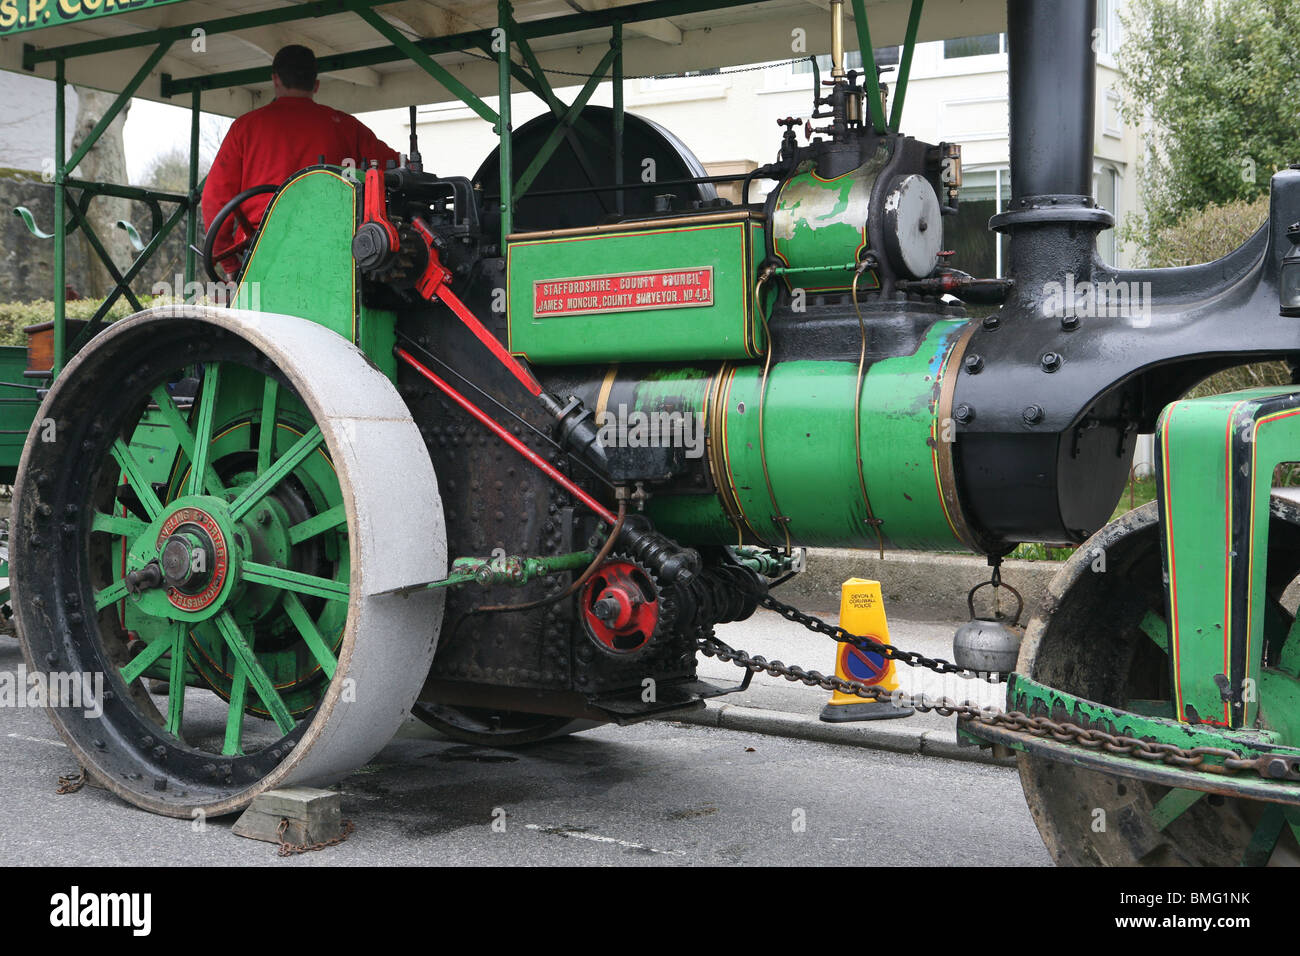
{"x":677,"y":696}
{"x":1121,"y":743}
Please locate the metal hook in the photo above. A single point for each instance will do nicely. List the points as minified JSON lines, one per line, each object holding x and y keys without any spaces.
{"x":997,"y":613}
{"x":25,"y":214}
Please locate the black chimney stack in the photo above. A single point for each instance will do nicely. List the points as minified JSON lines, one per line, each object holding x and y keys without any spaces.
{"x":1053,"y":87}
{"x":1053,"y":79}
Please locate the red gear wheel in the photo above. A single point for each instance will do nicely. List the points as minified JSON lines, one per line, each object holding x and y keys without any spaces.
{"x":621,"y":606}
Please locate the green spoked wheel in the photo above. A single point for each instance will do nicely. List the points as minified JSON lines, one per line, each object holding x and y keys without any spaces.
{"x":1102,"y":636}
{"x":218,"y":504}
{"x":291,"y":530}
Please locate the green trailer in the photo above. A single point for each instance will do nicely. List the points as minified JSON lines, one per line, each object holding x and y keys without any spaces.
{"x":18,"y":405}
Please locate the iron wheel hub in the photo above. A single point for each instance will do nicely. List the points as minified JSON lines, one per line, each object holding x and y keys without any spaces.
{"x":194,"y":557}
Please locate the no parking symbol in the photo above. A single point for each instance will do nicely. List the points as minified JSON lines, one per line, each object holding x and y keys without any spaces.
{"x":868,"y":667}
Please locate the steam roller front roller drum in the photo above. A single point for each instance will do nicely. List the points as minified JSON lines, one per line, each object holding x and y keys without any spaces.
{"x":1096,"y":638}
{"x":223,"y":501}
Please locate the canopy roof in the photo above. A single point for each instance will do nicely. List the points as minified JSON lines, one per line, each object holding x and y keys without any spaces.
{"x":105,"y":42}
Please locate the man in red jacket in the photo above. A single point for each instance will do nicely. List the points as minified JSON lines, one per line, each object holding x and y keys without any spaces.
{"x":268,"y":145}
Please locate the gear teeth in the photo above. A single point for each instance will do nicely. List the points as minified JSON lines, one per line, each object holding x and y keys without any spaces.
{"x":665,"y":624}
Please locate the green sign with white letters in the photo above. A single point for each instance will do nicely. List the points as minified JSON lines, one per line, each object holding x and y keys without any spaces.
{"x":19,"y":16}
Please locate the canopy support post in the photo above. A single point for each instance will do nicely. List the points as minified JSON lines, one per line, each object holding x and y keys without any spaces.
{"x":565,"y":122}
{"x":60,"y":212}
{"x":870,"y":76}
{"x":905,"y":67}
{"x":616,"y":41}
{"x":503,"y":124}
{"x":192,"y":222}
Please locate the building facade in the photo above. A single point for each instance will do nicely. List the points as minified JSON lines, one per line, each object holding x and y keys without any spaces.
{"x":957,"y":93}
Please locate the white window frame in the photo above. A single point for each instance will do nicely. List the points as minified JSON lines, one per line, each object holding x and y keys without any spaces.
{"x":1101,"y":168}
{"x":1001,"y":194}
{"x":681,"y":89}
{"x":978,"y":135}
{"x":786,"y":80}
{"x":1113,"y":32}
{"x":1112,"y":97}
{"x":966,"y":65}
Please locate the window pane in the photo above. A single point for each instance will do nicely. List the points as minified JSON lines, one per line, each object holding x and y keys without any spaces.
{"x":972,"y":46}
{"x":1103,"y":26}
{"x":1108,"y":198}
{"x":709,"y":71}
{"x":967,"y":234}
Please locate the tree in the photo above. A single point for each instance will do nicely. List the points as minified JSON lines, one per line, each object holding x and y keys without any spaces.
{"x":169,"y":171}
{"x":1217,"y":85}
{"x":105,"y":162}
{"x":1200,"y":236}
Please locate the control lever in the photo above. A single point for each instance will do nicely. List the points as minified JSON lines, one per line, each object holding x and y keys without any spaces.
{"x":414,"y":162}
{"x":376,"y":242}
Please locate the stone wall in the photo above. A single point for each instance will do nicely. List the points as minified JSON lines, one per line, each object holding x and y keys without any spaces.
{"x":27,"y":263}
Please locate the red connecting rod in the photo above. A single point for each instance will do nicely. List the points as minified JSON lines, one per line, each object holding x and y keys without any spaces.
{"x":433,"y":285}
{"x":537,"y":460}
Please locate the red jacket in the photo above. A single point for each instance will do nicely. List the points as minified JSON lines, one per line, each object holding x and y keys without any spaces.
{"x":268,"y":145}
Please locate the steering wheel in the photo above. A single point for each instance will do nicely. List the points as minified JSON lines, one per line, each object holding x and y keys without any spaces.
{"x":212,"y":256}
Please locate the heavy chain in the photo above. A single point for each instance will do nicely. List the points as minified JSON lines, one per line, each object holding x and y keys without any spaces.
{"x":711,"y":646}
{"x":887,"y":651}
{"x":1093,"y":738}
{"x":290,"y":849}
{"x":71,"y":782}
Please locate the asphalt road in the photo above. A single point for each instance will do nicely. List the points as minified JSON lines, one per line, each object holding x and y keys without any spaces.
{"x":660,"y":793}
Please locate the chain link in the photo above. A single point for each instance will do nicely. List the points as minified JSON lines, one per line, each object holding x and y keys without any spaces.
{"x":71,"y":782}
{"x":887,"y":651}
{"x":1093,"y":738}
{"x":291,"y":849}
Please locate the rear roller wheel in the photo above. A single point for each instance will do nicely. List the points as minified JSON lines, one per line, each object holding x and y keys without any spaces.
{"x":1100,"y":637}
{"x":496,"y":728}
{"x":214,"y":503}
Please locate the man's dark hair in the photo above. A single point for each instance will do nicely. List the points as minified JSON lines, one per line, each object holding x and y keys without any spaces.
{"x":296,"y":67}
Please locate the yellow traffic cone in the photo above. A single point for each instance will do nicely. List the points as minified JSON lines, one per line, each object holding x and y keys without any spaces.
{"x":862,"y":612}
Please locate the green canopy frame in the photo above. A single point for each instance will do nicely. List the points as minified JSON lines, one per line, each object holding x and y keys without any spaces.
{"x":72,"y":196}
